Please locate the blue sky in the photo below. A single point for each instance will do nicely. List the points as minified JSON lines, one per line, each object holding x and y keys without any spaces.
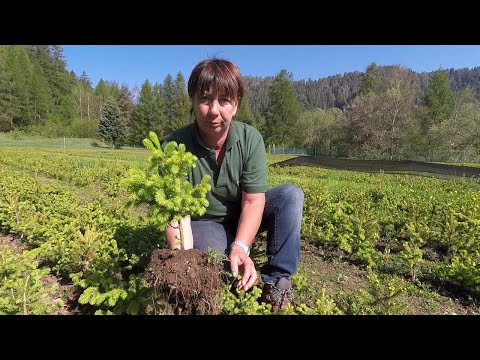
{"x":134,"y":64}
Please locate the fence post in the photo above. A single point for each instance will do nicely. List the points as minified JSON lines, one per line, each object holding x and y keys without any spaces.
{"x":64,"y":143}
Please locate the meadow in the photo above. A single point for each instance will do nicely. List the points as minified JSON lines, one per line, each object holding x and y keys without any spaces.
{"x":372,"y":243}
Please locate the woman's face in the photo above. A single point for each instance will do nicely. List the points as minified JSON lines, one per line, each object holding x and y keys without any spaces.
{"x":214,"y":112}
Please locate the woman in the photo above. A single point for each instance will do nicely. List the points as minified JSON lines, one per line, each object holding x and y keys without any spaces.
{"x":233,"y":155}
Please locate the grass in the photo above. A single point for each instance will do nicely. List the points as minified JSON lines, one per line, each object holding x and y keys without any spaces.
{"x":19,"y":140}
{"x":16,"y":139}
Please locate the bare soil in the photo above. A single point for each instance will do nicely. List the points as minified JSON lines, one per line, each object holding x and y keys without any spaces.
{"x":191,"y":284}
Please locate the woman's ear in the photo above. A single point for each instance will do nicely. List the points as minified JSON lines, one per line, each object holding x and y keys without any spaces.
{"x":237,"y":103}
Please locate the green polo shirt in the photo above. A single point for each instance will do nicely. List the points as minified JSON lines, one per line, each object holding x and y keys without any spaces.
{"x":244,"y":167}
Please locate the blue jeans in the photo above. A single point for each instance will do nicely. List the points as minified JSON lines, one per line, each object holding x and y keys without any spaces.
{"x":282,"y":219}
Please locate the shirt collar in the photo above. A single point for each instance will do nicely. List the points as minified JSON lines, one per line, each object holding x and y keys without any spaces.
{"x":232,"y":136}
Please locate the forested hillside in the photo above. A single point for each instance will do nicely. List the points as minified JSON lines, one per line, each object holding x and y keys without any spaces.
{"x":386,"y":112}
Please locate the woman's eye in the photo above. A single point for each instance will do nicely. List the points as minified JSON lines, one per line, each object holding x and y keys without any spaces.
{"x":224,"y":101}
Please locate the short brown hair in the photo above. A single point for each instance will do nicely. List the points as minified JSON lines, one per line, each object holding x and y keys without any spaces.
{"x":222,"y":74}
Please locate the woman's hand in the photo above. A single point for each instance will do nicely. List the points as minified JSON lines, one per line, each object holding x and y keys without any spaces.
{"x":241,"y":263}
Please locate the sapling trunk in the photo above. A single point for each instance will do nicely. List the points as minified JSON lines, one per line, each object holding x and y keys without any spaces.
{"x":186,"y":236}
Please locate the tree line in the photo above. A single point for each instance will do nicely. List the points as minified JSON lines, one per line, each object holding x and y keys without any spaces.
{"x":39,"y":96}
{"x":386,"y":112}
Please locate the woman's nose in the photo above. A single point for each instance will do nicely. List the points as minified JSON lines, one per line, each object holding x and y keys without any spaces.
{"x":214,"y":107}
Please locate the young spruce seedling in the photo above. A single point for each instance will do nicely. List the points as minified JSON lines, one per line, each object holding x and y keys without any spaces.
{"x":165,"y":188}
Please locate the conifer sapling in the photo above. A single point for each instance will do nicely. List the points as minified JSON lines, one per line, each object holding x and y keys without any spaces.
{"x":165,"y":188}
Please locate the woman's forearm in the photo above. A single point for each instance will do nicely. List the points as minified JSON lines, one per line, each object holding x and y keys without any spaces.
{"x":250,"y":217}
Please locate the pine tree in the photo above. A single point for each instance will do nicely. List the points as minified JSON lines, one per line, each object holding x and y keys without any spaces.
{"x":113,"y":89}
{"x":101,"y":91}
{"x":158,"y":123}
{"x":244,"y":113}
{"x":19,"y":67}
{"x":168,"y":94}
{"x":40,"y":93}
{"x":283,"y":109}
{"x":9,"y":101}
{"x":125,"y":105}
{"x":85,"y":80}
{"x":143,"y":114}
{"x":371,"y":81}
{"x":180,"y":104}
{"x":440,"y":104}
{"x":60,"y":80}
{"x":439,"y":99}
{"x":111,"y":127}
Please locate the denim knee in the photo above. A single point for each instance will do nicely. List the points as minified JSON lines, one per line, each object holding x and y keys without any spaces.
{"x":295,"y":194}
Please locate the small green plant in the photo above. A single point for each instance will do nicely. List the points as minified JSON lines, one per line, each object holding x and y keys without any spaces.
{"x":411,"y":253}
{"x":382,"y":297}
{"x":243,"y":303}
{"x":300,"y":284}
{"x":21,"y":287}
{"x":85,"y":248}
{"x":323,"y":306}
{"x":164,"y":187}
{"x":215,"y":257}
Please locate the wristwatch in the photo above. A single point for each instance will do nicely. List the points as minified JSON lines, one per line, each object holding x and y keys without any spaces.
{"x":244,"y":246}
